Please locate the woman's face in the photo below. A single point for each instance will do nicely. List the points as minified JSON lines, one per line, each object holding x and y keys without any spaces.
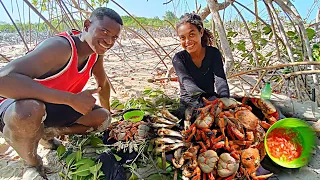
{"x":190,"y":37}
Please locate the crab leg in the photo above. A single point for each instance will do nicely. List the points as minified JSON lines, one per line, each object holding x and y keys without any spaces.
{"x":253,"y":175}
{"x":192,"y":134}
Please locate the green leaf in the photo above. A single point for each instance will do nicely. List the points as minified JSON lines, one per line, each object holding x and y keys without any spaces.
{"x":62,"y":175}
{"x":100,"y":150}
{"x":310,"y":33}
{"x":75,"y":177}
{"x":134,"y":166}
{"x":70,"y":159}
{"x":315,"y":46}
{"x":263,"y":42}
{"x":244,"y":55}
{"x":84,"y":142}
{"x":61,"y":150}
{"x":232,"y":34}
{"x":118,"y":158}
{"x":147,"y":90}
{"x":95,"y":141}
{"x":269,"y":54}
{"x":84,"y":161}
{"x":120,"y":107}
{"x":101,"y":174}
{"x":114,"y":103}
{"x":291,"y":33}
{"x":170,"y":169}
{"x":241,"y":46}
{"x":159,"y":162}
{"x":82,"y":170}
{"x":270,"y":35}
{"x":133,"y":177}
{"x":266,"y":30}
{"x":78,"y":156}
{"x":94,"y":169}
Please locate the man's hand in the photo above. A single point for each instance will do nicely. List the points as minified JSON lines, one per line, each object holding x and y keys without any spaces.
{"x":83,"y":102}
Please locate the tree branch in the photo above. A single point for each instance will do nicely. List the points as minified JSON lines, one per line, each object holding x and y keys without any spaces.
{"x":206,"y":11}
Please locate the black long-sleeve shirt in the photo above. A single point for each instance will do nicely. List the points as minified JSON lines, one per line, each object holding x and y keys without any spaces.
{"x":197,"y":82}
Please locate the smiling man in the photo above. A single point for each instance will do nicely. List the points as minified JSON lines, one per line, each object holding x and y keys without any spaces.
{"x":42,"y":91}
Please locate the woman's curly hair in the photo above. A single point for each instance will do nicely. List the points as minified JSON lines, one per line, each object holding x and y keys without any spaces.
{"x":207,"y":38}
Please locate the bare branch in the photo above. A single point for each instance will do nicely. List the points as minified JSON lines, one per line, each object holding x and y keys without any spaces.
{"x":167,"y":2}
{"x":275,"y":67}
{"x":301,"y":73}
{"x":220,"y":6}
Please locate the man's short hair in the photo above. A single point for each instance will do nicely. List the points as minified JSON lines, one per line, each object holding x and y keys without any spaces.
{"x":100,"y":12}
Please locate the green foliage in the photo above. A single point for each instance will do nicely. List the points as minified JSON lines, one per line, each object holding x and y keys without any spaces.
{"x":78,"y":167}
{"x":170,"y":16}
{"x":149,"y":102}
{"x":42,"y":27}
{"x":316,"y":52}
{"x":311,"y":33}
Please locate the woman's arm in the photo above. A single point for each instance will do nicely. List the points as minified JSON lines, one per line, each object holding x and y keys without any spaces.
{"x":184,"y":77}
{"x":221,"y":83}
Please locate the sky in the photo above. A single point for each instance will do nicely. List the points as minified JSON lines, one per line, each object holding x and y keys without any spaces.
{"x":153,"y":8}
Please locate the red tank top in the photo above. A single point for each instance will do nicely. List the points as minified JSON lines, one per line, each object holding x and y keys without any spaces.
{"x":69,"y":78}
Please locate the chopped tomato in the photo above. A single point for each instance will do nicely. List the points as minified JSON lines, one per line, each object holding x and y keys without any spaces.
{"x":282,"y":144}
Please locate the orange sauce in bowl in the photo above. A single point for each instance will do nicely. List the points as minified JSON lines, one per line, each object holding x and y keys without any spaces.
{"x":283,"y":144}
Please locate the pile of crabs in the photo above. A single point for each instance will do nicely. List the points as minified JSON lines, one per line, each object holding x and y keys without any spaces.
{"x":226,"y":140}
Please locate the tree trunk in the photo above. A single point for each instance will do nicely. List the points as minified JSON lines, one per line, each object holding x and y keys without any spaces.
{"x":229,"y":61}
{"x":290,"y":9}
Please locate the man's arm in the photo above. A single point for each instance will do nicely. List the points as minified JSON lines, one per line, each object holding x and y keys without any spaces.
{"x":103,"y":82}
{"x":16,"y":78}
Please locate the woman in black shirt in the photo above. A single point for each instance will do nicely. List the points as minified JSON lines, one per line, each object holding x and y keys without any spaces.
{"x":199,"y":66}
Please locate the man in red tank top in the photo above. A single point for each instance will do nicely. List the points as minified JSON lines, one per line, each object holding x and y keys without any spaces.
{"x":41,"y":92}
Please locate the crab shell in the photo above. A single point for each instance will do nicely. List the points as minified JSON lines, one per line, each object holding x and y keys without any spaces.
{"x":247,"y":118}
{"x":250,"y":159}
{"x":208,"y":160}
{"x":227,"y":165}
{"x":204,"y":123}
{"x":266,"y":106}
{"x":229,"y":103}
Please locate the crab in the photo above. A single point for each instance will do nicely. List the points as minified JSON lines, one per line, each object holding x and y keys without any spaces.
{"x":191,"y":168}
{"x":250,"y":161}
{"x":227,"y":165}
{"x":191,"y":154}
{"x":241,"y":118}
{"x":203,"y":122}
{"x":126,"y":130}
{"x":208,"y":160}
{"x":267,"y":108}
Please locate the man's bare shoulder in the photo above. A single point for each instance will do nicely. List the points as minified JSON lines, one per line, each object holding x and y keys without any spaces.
{"x":55,"y":44}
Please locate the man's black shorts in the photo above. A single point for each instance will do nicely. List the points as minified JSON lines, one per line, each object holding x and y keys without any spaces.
{"x":58,"y":115}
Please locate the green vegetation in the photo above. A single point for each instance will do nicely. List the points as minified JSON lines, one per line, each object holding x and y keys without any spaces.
{"x":128,"y":21}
